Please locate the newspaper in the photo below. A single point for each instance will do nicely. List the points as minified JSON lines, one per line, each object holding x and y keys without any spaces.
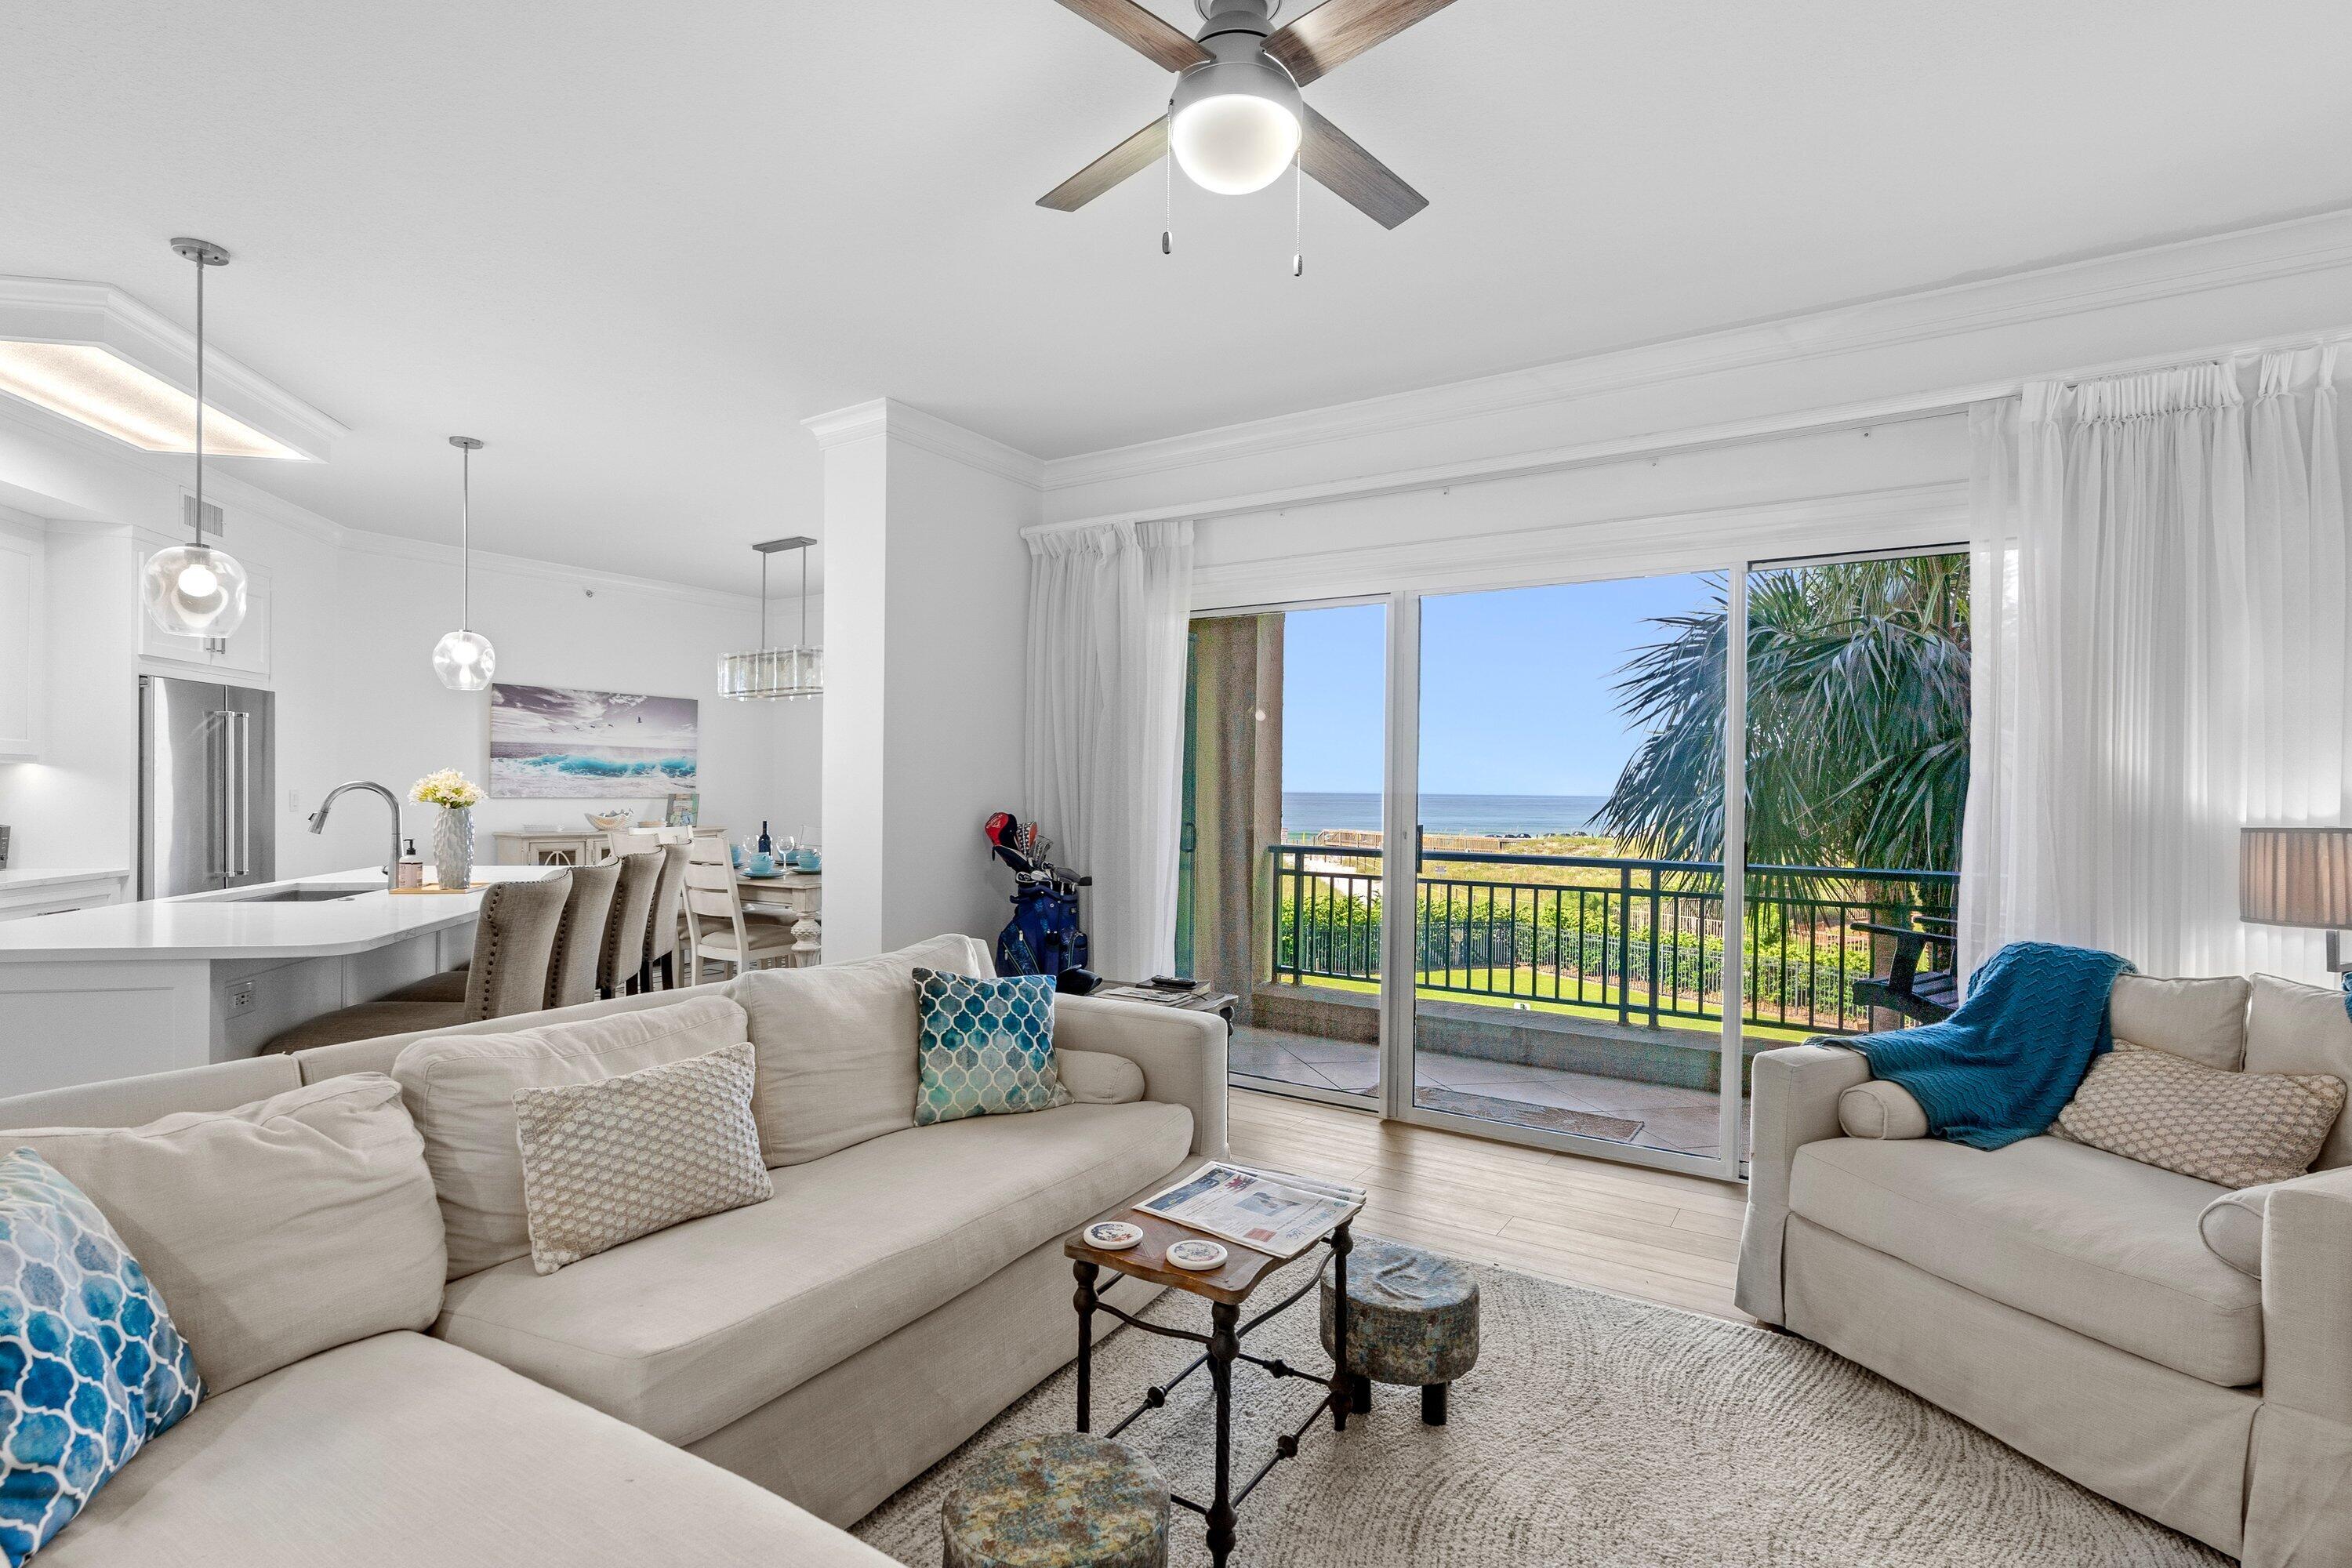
{"x":1274,"y":1213}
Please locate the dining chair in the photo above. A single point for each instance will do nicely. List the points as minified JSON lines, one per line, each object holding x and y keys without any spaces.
{"x":514,"y":944}
{"x":661,"y":925}
{"x":631,"y":841}
{"x":624,"y":932}
{"x":716,"y":926}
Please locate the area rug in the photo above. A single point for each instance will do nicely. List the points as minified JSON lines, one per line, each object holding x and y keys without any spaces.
{"x":1595,"y":1430}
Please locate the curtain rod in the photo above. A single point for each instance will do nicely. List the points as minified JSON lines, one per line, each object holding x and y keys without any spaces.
{"x":1734,"y":433}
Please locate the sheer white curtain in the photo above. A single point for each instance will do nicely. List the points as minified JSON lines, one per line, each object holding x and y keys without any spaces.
{"x":2162,"y":593}
{"x":1107,"y":612}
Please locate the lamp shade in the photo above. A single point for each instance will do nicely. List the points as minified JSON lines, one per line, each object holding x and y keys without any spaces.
{"x":2296,"y":877}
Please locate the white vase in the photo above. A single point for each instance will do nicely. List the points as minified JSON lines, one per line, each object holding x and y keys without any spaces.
{"x":453,"y":847}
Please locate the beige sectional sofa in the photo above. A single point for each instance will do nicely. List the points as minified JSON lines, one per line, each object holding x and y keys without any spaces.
{"x":2067,"y":1300}
{"x":727,"y":1391}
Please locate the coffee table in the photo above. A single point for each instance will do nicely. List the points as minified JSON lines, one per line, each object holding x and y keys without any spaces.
{"x":1226,"y":1289}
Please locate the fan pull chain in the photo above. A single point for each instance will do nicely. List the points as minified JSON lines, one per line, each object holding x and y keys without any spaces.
{"x":1298,"y":218}
{"x":1168,"y":195}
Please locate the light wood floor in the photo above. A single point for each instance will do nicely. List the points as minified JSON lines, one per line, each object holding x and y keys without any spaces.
{"x":1656,"y":1235}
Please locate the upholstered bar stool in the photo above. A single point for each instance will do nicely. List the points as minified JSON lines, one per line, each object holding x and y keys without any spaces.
{"x":514,"y":942}
{"x":571,"y":968}
{"x":624,"y":932}
{"x":661,"y":926}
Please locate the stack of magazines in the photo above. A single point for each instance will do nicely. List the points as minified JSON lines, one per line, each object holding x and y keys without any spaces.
{"x":1275,"y":1213}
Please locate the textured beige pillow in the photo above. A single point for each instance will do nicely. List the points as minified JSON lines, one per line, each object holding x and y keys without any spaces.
{"x":273,"y":1231}
{"x":608,"y":1161}
{"x":2204,"y":1020}
{"x":2237,"y":1128}
{"x":461,"y":1089}
{"x":837,"y":1045}
{"x":2294,"y":1027}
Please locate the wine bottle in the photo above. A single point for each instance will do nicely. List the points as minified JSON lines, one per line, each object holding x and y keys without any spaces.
{"x":767,"y":844}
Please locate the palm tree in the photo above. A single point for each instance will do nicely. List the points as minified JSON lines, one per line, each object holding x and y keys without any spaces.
{"x":1857,"y":721}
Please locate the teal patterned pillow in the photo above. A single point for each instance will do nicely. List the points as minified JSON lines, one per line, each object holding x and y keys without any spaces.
{"x":91,"y":1366}
{"x":987,"y":1046}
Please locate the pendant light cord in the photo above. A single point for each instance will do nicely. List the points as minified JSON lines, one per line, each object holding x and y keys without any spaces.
{"x":1298,"y":214}
{"x":465,"y":544}
{"x":200,"y":402}
{"x":763,"y":600}
{"x":804,"y":550}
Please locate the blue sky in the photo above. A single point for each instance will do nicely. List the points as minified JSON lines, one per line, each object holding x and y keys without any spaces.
{"x":1517,"y":688}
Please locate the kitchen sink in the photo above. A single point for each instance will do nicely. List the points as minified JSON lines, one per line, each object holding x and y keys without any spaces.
{"x":296,"y":895}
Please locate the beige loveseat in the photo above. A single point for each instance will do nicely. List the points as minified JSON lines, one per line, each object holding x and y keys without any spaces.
{"x":2066,"y":1300}
{"x":828,"y":1345}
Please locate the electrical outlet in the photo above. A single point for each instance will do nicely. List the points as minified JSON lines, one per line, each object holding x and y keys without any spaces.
{"x":240,"y":998}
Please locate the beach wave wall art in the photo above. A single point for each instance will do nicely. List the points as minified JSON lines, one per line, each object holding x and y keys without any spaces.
{"x":559,"y":742}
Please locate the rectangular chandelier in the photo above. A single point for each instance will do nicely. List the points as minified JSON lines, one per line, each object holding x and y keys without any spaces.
{"x":768,"y":674}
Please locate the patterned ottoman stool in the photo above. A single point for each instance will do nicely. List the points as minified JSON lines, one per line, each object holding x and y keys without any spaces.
{"x":1068,"y":1500}
{"x":1412,"y":1319}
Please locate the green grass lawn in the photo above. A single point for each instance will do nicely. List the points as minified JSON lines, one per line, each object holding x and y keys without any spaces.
{"x":1601,"y":1004}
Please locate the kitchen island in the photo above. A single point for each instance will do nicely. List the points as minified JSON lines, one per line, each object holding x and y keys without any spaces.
{"x":107,"y":993}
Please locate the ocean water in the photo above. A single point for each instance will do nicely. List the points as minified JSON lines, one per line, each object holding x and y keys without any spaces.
{"x":1310,"y":812}
{"x":522,"y":771}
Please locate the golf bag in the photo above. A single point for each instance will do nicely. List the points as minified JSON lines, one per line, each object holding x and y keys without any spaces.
{"x":1043,"y":936}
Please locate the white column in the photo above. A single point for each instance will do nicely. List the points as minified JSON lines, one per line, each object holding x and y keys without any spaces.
{"x":926,"y":620}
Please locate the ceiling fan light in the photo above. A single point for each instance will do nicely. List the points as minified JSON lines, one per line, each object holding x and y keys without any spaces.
{"x":1233,"y":125}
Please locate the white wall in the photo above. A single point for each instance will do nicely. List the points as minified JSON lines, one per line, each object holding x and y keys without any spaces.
{"x":355,"y":617}
{"x":926,"y":615}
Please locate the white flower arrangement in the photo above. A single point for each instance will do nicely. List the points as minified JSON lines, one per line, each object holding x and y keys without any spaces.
{"x":448,"y":788}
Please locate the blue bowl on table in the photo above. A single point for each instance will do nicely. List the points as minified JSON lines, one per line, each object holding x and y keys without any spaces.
{"x":761,"y":865}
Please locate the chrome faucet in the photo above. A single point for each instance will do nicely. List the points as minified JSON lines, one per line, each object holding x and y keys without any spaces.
{"x":391,"y":861}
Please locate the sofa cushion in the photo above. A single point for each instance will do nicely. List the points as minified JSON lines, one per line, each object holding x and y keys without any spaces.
{"x":1098,"y":1078}
{"x":274,"y":1230}
{"x":2292,"y":1027}
{"x":2090,"y":1241}
{"x":986,"y":1046}
{"x":837,"y":1045}
{"x":401,"y":1451}
{"x":683,"y":1331}
{"x":461,"y":1089}
{"x":1880,"y":1109}
{"x":2231,"y":1225}
{"x":2204,"y":1020}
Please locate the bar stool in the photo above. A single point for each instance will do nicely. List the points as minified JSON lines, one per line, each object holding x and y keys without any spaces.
{"x":661,"y":926}
{"x":571,"y":968}
{"x":514,"y":942}
{"x":625,"y":933}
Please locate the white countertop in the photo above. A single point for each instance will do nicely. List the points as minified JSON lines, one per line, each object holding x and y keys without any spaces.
{"x":45,"y":877}
{"x":229,"y":925}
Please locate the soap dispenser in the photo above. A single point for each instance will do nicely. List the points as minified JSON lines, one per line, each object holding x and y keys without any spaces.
{"x":411,"y":870}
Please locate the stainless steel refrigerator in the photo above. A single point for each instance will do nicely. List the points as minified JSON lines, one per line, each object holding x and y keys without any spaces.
{"x":207,"y":770}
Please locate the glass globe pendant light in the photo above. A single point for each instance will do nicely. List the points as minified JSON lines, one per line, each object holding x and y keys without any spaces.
{"x":465,"y":660}
{"x":196,"y":590}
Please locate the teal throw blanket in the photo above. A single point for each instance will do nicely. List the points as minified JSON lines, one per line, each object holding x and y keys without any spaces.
{"x":2001,"y":1067}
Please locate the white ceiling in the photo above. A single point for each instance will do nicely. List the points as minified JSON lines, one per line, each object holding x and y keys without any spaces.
{"x":632,"y":246}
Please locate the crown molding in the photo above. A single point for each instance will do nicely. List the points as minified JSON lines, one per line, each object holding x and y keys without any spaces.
{"x":1906,"y":516}
{"x":2154,"y":273}
{"x":905,"y":422}
{"x":61,"y":310}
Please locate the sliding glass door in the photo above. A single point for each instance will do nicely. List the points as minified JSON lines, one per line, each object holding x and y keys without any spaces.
{"x":1551,"y":785}
{"x":1567,"y":933}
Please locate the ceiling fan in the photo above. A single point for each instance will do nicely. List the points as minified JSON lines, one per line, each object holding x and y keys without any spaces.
{"x":1235,"y":118}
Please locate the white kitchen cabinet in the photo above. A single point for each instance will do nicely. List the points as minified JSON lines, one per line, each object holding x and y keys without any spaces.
{"x":23,"y":645}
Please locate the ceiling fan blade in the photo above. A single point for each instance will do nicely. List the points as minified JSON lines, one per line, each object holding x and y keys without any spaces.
{"x":1132,"y":156}
{"x":1336,"y":31}
{"x":1137,"y":28}
{"x":1354,"y":175}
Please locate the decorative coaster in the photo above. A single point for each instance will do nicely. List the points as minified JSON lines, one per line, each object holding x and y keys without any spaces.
{"x":1196,"y":1256}
{"x":1113,"y":1234}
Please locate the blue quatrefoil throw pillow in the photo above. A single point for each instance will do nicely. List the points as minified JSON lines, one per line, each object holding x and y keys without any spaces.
{"x":987,"y":1046}
{"x":91,"y":1366}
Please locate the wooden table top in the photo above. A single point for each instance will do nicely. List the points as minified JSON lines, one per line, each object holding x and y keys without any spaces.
{"x":785,"y":879}
{"x":1230,"y":1282}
